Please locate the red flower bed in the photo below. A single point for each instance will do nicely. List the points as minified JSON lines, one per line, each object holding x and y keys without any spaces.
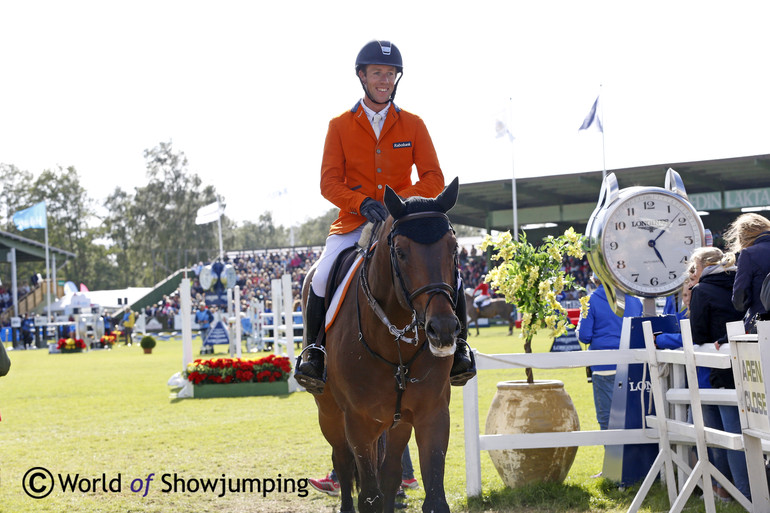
{"x":71,"y":343}
{"x":238,"y":370}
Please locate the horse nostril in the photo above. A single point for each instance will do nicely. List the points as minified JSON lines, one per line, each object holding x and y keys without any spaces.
{"x":430,"y":330}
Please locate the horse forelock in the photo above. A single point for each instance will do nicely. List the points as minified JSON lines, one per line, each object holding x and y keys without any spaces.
{"x":424,"y":230}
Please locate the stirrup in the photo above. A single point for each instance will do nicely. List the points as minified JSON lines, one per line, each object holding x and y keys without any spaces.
{"x":458,"y":380}
{"x":313,"y":385}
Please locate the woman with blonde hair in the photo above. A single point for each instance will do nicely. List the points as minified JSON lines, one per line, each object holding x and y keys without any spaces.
{"x":749,"y":237}
{"x":710,"y":309}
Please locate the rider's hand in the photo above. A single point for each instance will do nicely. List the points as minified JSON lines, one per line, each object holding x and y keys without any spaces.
{"x":373,"y":210}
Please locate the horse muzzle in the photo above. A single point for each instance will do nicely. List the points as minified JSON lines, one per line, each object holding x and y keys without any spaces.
{"x":442,"y":352}
{"x":441,"y":332}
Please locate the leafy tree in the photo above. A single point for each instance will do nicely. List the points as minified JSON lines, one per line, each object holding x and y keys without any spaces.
{"x":163,"y":214}
{"x":14,"y":192}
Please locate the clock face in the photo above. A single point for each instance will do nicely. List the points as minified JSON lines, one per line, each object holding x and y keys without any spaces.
{"x":647,"y":241}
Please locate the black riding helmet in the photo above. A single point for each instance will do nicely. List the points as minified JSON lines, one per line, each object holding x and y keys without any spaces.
{"x":380,"y":52}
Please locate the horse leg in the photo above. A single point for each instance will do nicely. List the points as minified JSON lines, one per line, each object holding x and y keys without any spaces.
{"x":391,"y":470}
{"x":362,"y":439}
{"x":344,"y":465}
{"x":432,"y":437}
{"x":333,"y":429}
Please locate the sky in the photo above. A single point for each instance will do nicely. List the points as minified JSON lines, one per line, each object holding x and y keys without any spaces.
{"x":246,"y":89}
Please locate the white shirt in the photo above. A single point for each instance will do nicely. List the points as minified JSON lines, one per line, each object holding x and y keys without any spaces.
{"x":370,"y":115}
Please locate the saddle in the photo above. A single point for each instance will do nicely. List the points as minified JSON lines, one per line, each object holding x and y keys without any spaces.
{"x":342,"y":265}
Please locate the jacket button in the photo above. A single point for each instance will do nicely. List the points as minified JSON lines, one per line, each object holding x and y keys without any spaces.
{"x":379,"y":150}
{"x":379,"y":186}
{"x":379,"y":170}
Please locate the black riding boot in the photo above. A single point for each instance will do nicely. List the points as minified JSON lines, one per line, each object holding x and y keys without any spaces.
{"x":464,"y":365}
{"x":311,"y":373}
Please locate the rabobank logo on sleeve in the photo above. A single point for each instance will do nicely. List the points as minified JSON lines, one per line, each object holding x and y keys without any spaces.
{"x":403,"y":144}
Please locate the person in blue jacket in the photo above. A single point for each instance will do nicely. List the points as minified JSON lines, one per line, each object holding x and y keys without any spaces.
{"x":749,"y":237}
{"x":600,"y":329}
{"x":204,"y":318}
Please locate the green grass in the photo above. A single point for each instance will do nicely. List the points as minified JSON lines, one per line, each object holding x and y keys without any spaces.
{"x":110,"y":412}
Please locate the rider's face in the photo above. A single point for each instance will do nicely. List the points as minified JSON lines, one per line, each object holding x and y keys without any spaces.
{"x":379,"y":81}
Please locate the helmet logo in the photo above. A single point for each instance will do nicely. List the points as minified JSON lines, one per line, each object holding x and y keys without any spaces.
{"x":385,"y":47}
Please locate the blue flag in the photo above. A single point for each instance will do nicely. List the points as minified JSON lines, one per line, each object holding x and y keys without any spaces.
{"x":592,"y":119}
{"x":32,"y":217}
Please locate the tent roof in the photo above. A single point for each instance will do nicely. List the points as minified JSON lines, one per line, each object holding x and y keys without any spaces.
{"x":27,"y":250}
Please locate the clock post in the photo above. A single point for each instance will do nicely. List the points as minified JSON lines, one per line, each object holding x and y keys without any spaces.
{"x":640,"y":240}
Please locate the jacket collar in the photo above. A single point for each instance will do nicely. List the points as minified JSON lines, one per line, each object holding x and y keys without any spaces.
{"x":355,"y":107}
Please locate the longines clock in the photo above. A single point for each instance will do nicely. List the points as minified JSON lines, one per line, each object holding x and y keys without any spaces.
{"x":641,"y":238}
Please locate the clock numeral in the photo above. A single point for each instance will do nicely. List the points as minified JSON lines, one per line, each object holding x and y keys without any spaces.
{"x":649,"y":205}
{"x":620,"y":225}
{"x":668,"y":209}
{"x":613,"y":245}
{"x":654,"y":281}
{"x":636,"y":277}
{"x":688,"y":240}
{"x":684,"y":260}
{"x":621,"y":264}
{"x":672,"y":275}
{"x":630,"y":211}
{"x":682,"y":221}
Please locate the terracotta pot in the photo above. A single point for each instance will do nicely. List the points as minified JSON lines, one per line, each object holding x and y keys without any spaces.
{"x":541,"y":407}
{"x":147,"y":350}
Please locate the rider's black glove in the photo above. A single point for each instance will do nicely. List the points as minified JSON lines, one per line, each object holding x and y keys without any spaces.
{"x":373,"y":210}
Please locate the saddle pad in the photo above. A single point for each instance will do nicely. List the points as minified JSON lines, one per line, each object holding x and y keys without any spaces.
{"x":342,"y":289}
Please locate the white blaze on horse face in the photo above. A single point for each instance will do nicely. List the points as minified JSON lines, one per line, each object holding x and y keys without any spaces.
{"x":443,"y":352}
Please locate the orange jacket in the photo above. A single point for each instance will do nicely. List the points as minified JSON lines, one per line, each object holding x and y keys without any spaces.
{"x":356,"y":165}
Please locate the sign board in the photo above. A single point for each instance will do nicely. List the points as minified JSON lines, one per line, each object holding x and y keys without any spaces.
{"x":15,"y":322}
{"x":218,"y":335}
{"x":566,"y":342}
{"x":753,"y":397}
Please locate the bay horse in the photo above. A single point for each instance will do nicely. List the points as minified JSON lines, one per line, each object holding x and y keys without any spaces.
{"x":386,"y":379}
{"x":497,"y":307}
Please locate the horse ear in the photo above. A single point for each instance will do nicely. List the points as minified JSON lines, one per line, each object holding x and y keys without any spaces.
{"x":394,"y":203}
{"x":448,"y":197}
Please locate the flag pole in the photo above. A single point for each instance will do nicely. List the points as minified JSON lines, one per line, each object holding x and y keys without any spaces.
{"x":514,"y":201}
{"x":219,"y":225}
{"x":513,"y":192}
{"x":47,"y":270}
{"x":604,"y":160}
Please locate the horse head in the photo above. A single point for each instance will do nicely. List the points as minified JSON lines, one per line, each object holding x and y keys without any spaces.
{"x":423,"y":253}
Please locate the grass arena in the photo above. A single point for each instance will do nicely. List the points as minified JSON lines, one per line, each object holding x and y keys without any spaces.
{"x":105,"y":427}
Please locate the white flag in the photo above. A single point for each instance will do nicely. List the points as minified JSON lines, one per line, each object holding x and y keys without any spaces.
{"x":501,"y":129}
{"x":592,"y":119}
{"x":209,"y":213}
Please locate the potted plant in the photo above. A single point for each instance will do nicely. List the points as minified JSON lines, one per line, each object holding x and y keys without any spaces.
{"x":238,"y":377}
{"x":147,"y":344}
{"x":531,"y":278}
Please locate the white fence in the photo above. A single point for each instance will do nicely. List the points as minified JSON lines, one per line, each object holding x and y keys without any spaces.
{"x":671,"y":400}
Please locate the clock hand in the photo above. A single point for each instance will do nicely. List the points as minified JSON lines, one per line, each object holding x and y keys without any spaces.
{"x":664,"y":230}
{"x":657,"y":253}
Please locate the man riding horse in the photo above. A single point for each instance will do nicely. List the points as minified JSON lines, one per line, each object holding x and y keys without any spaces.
{"x":373,"y":145}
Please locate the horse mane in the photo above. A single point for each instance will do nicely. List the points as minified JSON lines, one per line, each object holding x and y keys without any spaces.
{"x":366,"y":234}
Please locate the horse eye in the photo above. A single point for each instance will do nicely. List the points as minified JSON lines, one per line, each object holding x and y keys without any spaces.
{"x":400,"y":254}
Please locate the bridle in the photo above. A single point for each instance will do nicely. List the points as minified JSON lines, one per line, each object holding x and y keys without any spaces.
{"x":418,"y":322}
{"x":432,"y":289}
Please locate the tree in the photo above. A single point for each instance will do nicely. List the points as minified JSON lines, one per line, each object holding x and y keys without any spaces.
{"x":163,"y":214}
